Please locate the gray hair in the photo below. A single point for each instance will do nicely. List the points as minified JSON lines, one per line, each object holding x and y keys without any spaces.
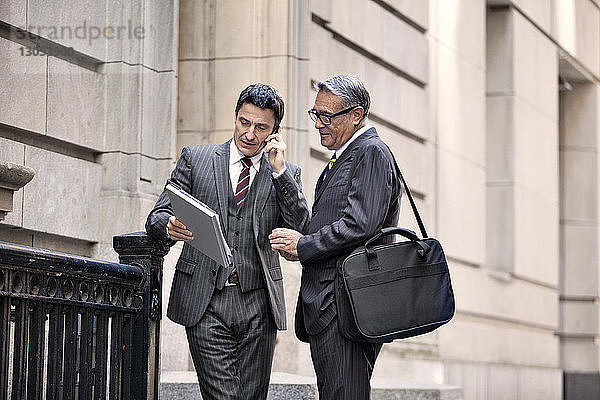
{"x":350,"y":89}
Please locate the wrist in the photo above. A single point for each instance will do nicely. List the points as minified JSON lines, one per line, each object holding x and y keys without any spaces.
{"x":277,"y":172}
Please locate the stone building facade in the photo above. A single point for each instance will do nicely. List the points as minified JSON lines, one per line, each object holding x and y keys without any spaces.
{"x":491,"y":108}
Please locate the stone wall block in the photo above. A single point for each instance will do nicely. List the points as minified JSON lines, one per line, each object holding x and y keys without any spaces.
{"x":540,"y":11}
{"x":197,"y":81}
{"x":417,"y":11}
{"x":500,"y":142}
{"x":536,"y":237}
{"x":124,"y":107}
{"x":579,"y":116}
{"x":460,"y":27}
{"x":81,"y":24}
{"x":162,"y":171}
{"x":461,"y":207}
{"x":488,"y":341}
{"x":393,"y":98}
{"x":391,"y":367}
{"x":521,"y":301}
{"x":579,"y":317}
{"x":579,"y":199}
{"x":232,"y":76}
{"x":247,"y":32}
{"x":286,"y":350}
{"x":159,"y":35}
{"x":580,"y":261}
{"x":158,"y":120}
{"x":414,"y":159}
{"x":536,"y":67}
{"x":126,"y":20}
{"x":579,"y":355}
{"x":120,"y":172}
{"x":500,"y":220}
{"x":61,"y":243}
{"x":540,"y":383}
{"x":535,"y":133}
{"x":174,"y":349}
{"x":461,"y":112}
{"x":576,"y":27}
{"x":197,"y":40}
{"x":123,"y":213}
{"x":77,"y":98}
{"x":503,"y":382}
{"x":22,"y":88}
{"x":14,"y":12}
{"x":408,"y":54}
{"x":63,"y":197}
{"x":499,"y":51}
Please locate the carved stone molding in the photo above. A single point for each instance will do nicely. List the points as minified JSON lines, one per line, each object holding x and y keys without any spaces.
{"x":12,"y":178}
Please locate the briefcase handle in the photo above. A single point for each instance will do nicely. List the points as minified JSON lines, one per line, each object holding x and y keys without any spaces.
{"x":424,"y":248}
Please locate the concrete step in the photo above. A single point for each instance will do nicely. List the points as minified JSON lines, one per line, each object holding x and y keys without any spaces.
{"x":175,"y":385}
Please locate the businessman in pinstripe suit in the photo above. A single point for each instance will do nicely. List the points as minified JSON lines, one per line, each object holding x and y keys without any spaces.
{"x":347,"y":211}
{"x":232,"y":313}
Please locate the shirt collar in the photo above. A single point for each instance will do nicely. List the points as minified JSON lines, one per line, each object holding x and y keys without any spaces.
{"x":235,"y":156}
{"x":359,"y":132}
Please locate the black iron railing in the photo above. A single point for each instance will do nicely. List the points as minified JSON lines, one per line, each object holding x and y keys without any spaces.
{"x":77,"y":328}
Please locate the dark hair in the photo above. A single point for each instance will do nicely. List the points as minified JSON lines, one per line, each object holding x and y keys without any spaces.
{"x":263,"y":96}
{"x":350,"y":89}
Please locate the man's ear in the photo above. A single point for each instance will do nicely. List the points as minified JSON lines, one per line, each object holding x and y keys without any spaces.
{"x":357,"y":115}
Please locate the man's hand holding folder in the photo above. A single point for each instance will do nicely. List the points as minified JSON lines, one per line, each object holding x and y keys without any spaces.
{"x":178,"y":231}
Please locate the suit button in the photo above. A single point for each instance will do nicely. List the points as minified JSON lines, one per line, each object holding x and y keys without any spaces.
{"x":213,"y":272}
{"x":235,"y":247}
{"x":237,"y":233}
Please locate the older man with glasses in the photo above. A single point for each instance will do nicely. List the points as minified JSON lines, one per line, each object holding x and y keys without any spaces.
{"x":357,"y":194}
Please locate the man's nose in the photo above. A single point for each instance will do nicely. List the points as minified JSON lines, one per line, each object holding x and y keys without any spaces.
{"x":319,"y":124}
{"x":251,"y":134}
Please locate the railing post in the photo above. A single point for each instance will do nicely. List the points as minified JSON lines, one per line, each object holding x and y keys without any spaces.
{"x":140,"y":250}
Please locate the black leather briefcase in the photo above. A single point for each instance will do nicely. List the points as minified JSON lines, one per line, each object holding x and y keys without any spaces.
{"x":396,"y":290}
{"x":393,"y":291}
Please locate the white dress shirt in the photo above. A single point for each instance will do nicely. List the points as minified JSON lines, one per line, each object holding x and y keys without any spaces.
{"x":235,"y":165}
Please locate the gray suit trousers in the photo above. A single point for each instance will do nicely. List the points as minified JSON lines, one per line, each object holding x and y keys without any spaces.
{"x":352,"y":361}
{"x":233,"y":344}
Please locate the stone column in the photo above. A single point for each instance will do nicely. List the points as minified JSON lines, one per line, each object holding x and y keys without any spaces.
{"x":12,"y":178}
{"x":579,"y":285}
{"x":225,"y":46}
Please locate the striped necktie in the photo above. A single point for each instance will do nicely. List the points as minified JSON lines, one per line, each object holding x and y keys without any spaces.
{"x":243,"y":182}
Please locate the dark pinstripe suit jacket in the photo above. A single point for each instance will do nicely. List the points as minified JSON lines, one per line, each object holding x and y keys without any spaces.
{"x":343,"y":218}
{"x":203,"y":171}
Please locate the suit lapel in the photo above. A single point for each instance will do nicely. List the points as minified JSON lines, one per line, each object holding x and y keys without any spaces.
{"x":262,"y":188}
{"x":347,"y":154}
{"x":222,"y":180}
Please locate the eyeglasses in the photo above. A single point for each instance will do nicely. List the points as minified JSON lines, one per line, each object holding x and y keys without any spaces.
{"x":325,"y":118}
